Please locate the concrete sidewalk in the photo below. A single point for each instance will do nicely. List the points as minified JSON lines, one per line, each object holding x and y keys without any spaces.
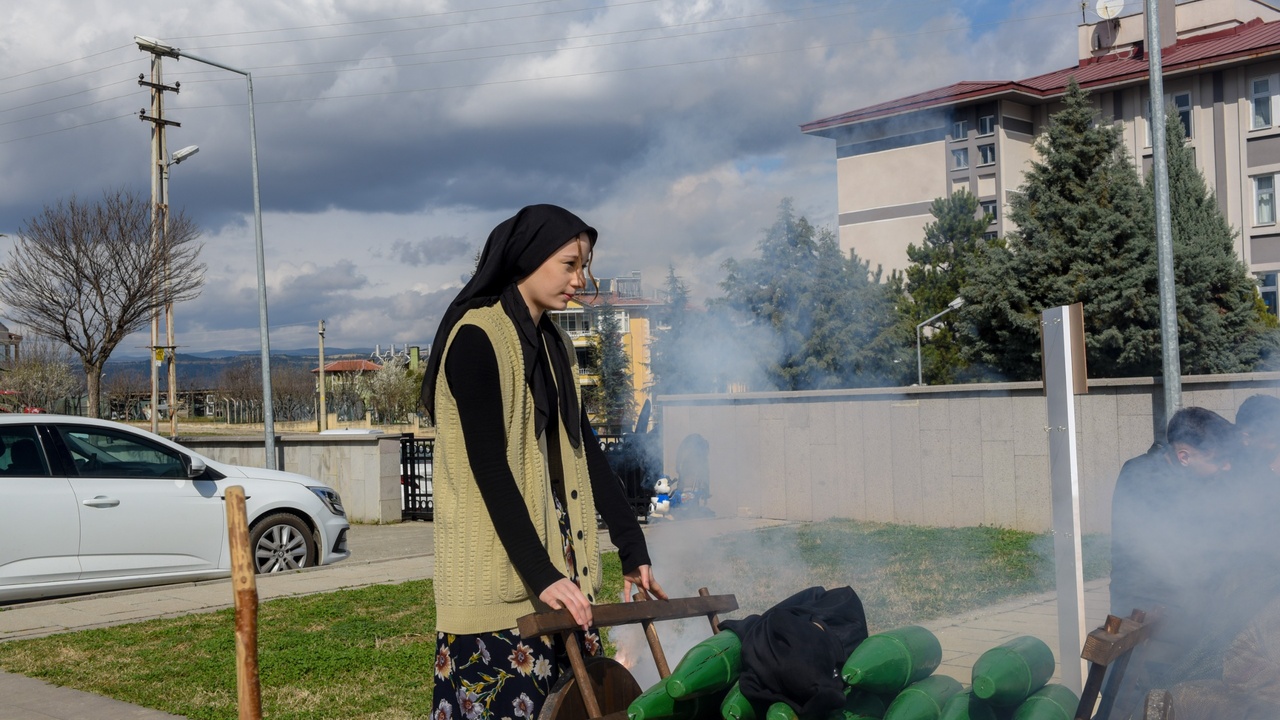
{"x":398,"y":553}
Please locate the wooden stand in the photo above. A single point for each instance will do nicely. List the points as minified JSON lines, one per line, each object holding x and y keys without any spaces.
{"x":600,"y":687}
{"x":1110,"y":646}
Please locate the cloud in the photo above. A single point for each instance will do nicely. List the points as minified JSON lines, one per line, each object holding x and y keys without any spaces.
{"x":432,"y":251}
{"x":392,"y":137}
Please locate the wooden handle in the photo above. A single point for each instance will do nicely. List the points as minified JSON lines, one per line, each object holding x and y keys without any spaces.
{"x":712,"y":617}
{"x":244,"y":584}
{"x":556,"y":621}
{"x":651,"y":634}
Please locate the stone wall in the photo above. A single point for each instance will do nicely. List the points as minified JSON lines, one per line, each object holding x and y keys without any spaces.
{"x":958,"y":455}
{"x":364,"y":469}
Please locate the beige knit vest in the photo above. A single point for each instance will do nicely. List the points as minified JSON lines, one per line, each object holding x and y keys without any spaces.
{"x":477,"y":588}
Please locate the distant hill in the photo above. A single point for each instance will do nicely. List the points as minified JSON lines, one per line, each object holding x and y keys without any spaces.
{"x":205,"y":369}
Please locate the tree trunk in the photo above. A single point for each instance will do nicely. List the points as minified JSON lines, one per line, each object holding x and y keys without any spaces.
{"x":93,"y":381}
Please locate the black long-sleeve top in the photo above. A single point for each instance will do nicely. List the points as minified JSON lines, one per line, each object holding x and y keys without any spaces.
{"x":471,"y":369}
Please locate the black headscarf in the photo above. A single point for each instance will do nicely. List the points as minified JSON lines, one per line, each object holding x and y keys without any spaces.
{"x":517,"y":247}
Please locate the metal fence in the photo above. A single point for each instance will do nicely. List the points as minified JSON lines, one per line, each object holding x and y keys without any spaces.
{"x":415,"y":478}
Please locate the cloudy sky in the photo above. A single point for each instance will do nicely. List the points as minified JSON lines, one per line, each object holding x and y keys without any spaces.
{"x":394,"y":135}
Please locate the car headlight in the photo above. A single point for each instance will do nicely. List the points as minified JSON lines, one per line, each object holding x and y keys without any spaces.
{"x":330,"y":499}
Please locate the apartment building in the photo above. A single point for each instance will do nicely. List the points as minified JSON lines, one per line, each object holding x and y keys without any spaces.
{"x":1221,"y":75}
{"x":625,"y":295}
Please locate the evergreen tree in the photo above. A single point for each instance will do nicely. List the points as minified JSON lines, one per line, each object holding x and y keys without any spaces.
{"x":825,"y":312}
{"x":939,"y":268}
{"x":676,"y":350}
{"x":1223,"y":326}
{"x":612,"y":399}
{"x":1084,"y":234}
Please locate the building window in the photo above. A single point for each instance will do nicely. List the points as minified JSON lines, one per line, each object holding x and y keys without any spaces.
{"x":986,"y":124}
{"x":573,"y":322}
{"x":959,"y":158}
{"x":1181,"y":103}
{"x":987,"y":154}
{"x":1268,"y":289}
{"x":989,"y":236}
{"x":959,"y":130}
{"x":990,"y":208}
{"x":1261,"y":103}
{"x":1264,"y":198}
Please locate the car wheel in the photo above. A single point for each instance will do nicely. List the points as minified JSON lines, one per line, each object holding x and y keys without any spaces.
{"x":281,"y":542}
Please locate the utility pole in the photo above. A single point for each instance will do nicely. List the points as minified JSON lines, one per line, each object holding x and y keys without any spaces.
{"x":324,"y":411}
{"x":159,"y":230}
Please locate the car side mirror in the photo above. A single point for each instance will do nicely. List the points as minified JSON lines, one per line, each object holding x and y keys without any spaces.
{"x":195,"y":466}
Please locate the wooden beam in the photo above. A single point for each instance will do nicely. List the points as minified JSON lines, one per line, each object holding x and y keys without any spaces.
{"x":554,"y":621}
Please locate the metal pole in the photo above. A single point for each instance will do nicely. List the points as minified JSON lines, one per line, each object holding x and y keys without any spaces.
{"x":157,"y":169}
{"x":268,"y":413}
{"x":1171,"y":366}
{"x":919,"y":368}
{"x":324,"y":410}
{"x":1060,"y":389}
{"x":170,"y":346}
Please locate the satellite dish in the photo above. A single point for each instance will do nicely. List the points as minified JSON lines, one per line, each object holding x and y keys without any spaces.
{"x":1109,"y":9}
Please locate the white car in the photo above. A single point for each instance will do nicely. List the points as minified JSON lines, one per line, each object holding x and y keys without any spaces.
{"x":90,"y":505}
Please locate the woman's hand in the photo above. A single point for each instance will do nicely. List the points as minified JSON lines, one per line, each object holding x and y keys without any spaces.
{"x":641,"y":577}
{"x":564,"y":594}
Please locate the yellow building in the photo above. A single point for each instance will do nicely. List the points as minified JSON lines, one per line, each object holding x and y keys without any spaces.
{"x":635,"y":313}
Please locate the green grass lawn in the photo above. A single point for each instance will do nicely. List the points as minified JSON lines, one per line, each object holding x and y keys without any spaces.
{"x":367,"y":653}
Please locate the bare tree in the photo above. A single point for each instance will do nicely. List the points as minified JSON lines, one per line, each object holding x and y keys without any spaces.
{"x":293,"y":391}
{"x":122,"y":387}
{"x":44,"y":375}
{"x":89,"y":274}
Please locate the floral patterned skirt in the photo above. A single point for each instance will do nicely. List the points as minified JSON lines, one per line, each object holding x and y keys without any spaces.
{"x":500,"y":675}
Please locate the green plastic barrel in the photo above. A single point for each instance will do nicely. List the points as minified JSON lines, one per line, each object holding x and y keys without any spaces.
{"x":710,"y":666}
{"x":1051,"y":702}
{"x":923,"y":700}
{"x":736,"y":706}
{"x":1008,"y":674}
{"x":967,"y":707}
{"x":780,"y":711}
{"x":859,"y":703}
{"x":657,"y":704}
{"x":888,"y":662}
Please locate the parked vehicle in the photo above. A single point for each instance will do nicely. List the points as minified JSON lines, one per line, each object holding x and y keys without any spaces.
{"x":90,"y":505}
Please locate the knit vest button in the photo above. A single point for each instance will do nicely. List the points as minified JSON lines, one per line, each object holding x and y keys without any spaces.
{"x":590,"y":599}
{"x":574,"y":494}
{"x":584,"y":569}
{"x":579,"y":534}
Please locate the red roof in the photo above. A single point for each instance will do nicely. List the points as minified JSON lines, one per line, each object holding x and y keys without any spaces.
{"x":1247,"y":41}
{"x":350,"y":366}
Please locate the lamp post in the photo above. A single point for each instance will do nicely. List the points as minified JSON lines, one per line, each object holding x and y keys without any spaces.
{"x":953,"y":305}
{"x":156,"y":47}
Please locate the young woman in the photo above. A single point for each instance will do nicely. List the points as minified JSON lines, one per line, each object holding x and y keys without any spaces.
{"x":519,"y":474}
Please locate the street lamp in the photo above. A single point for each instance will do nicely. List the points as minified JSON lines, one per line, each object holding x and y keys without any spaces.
{"x":953,"y":305}
{"x":156,"y":47}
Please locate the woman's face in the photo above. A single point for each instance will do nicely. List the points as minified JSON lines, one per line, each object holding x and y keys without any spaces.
{"x":555,"y":282}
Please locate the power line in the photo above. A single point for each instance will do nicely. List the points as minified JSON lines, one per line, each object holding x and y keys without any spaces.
{"x":66,"y":62}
